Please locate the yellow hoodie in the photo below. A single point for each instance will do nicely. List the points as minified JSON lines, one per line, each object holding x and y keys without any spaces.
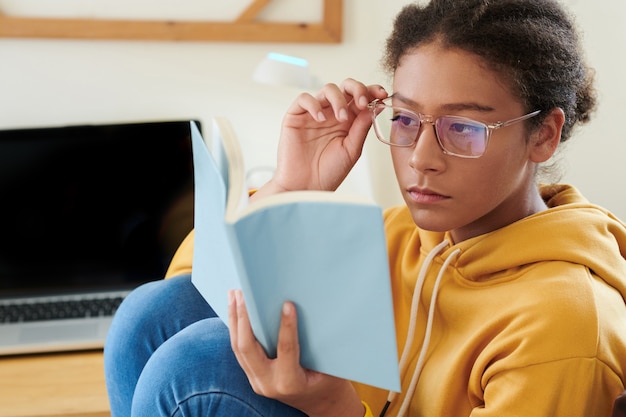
{"x":528,"y":320}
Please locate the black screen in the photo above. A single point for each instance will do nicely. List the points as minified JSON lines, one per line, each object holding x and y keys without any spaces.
{"x":97,"y":206}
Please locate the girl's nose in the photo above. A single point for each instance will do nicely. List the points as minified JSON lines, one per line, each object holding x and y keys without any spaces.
{"x":427,"y":154}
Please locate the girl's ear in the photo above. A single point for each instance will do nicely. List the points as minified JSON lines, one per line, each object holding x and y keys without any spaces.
{"x":546,"y":138}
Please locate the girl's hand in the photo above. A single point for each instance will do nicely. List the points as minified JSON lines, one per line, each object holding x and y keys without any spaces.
{"x":322,"y":137}
{"x":283,"y":378}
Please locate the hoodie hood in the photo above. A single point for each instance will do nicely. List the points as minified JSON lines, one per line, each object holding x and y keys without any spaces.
{"x":572,"y":230}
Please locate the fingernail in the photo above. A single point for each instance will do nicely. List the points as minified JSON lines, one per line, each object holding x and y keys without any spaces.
{"x":343,"y":114}
{"x":363,"y":102}
{"x":287,"y":309}
{"x":321,"y":117}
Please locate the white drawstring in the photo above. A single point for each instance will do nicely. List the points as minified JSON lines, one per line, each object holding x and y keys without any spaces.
{"x":419,"y":283}
{"x":425,"y":344}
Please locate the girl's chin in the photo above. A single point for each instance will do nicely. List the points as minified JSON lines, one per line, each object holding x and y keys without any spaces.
{"x":427,"y":221}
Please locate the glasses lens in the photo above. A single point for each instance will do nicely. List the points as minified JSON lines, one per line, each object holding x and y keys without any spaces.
{"x":462,"y":136}
{"x":396,"y":126}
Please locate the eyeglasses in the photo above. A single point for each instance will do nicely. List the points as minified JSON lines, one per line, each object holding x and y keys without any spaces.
{"x":458,"y":136}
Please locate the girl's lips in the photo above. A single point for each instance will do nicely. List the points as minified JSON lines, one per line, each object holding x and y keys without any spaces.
{"x":425,"y":196}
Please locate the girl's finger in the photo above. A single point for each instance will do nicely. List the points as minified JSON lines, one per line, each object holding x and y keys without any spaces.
{"x":329,"y":100}
{"x":288,"y":346}
{"x":306,"y":103}
{"x":339,"y":98}
{"x":248,"y":352}
{"x":360,"y":94}
{"x":332,"y":95}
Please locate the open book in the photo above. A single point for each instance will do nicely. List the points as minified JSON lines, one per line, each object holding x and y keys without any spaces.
{"x":323,"y":251}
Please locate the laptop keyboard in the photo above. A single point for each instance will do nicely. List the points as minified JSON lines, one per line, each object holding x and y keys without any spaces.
{"x":61,"y":309}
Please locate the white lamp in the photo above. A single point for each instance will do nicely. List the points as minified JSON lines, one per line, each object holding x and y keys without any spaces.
{"x":285,"y":70}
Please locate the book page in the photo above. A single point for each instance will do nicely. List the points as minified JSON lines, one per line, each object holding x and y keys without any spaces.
{"x":229,"y":158}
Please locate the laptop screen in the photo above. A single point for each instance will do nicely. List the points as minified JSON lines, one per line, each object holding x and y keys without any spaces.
{"x":92,"y":207}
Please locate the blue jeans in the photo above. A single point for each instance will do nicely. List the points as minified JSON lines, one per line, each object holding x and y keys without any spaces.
{"x":167,"y":354}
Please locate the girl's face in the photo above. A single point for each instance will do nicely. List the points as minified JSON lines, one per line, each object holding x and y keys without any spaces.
{"x":467,"y":197}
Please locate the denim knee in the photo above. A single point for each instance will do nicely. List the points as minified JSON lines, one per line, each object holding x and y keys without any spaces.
{"x":149,"y":316}
{"x":156,"y":311}
{"x":195,"y":373}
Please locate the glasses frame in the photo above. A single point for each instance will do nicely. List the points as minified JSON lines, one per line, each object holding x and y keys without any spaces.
{"x":425,"y":118}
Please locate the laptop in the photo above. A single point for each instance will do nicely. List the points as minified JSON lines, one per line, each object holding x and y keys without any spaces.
{"x":87,"y":213}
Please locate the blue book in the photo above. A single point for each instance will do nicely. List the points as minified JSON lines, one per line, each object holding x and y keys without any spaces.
{"x":323,"y":251}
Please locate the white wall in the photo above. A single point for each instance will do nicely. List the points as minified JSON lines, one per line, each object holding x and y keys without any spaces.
{"x":595,"y":157}
{"x":57,"y":82}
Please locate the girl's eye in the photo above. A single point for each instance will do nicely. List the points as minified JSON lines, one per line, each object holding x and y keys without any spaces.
{"x":404,"y":120}
{"x":464,"y":129}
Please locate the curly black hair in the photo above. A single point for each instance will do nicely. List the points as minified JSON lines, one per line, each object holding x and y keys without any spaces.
{"x":533,"y":43}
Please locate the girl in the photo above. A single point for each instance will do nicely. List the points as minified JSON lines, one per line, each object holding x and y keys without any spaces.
{"x":509,"y":296}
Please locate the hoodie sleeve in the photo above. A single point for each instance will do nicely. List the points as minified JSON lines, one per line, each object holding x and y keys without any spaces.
{"x":182,"y":260}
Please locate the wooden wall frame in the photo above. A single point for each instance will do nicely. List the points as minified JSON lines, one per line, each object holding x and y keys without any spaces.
{"x":245,"y":28}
